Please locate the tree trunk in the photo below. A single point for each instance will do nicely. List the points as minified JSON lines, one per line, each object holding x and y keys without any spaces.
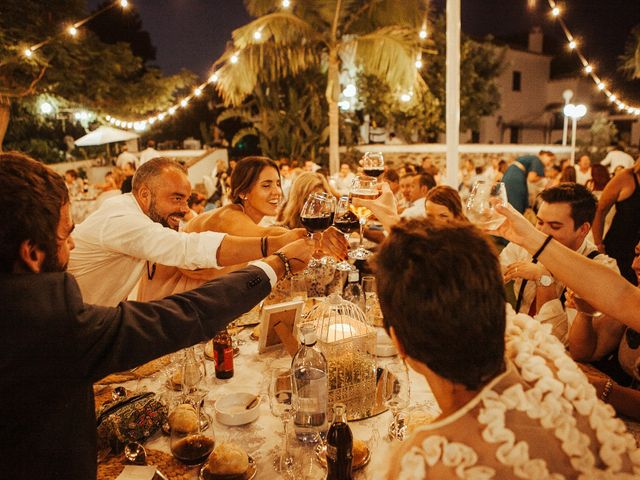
{"x":5,"y":114}
{"x":333,"y":94}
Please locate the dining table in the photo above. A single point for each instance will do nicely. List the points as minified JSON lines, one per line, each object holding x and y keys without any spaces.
{"x":262,"y":438}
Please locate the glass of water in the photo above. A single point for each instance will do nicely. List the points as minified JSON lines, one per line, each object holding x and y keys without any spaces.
{"x":482,"y":202}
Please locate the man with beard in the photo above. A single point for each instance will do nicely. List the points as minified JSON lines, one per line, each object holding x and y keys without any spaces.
{"x":54,"y":346}
{"x":128,"y":234}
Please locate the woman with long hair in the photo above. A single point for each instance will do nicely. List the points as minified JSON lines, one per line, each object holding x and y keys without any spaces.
{"x":304,"y":185}
{"x":444,"y":203}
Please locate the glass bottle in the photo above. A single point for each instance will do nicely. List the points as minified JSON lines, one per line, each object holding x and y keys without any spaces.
{"x":309,"y":367}
{"x":353,"y":291}
{"x":223,"y":354}
{"x":339,"y":446}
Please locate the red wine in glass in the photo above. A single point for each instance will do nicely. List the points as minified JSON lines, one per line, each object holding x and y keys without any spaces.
{"x":317,"y":224}
{"x":347,"y":222}
{"x":374,"y":172}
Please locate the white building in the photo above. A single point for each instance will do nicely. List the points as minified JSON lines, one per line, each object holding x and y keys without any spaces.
{"x":524,"y":118}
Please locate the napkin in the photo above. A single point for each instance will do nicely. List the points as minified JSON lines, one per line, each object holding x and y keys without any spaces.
{"x":137,"y":472}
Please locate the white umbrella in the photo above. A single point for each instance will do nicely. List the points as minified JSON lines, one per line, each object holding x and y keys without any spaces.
{"x":103,"y":135}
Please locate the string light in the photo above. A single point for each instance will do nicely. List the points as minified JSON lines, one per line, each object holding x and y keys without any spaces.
{"x":73,"y":31}
{"x":124,"y":3}
{"x":197,"y":92}
{"x":28,"y":52}
{"x":257,"y":35}
{"x":286,"y":3}
{"x":423,"y":34}
{"x":213,"y":78}
{"x":419,"y":61}
{"x":184,"y":102}
{"x":587,"y":67}
{"x":234,"y":58}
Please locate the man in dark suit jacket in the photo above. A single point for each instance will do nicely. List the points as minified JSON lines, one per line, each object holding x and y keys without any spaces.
{"x":54,"y":346}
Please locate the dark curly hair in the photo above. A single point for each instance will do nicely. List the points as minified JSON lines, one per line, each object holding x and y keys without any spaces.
{"x":440,"y":288}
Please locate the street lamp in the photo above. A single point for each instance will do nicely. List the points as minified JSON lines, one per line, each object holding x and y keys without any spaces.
{"x":575,"y":112}
{"x":567,"y":95}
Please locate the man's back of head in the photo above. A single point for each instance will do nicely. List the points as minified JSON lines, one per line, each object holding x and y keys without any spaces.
{"x":441,"y":291}
{"x":31,"y":196}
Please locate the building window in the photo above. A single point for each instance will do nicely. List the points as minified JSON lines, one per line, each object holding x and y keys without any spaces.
{"x":475,"y":136}
{"x":516,"y":81}
{"x":514,"y":135}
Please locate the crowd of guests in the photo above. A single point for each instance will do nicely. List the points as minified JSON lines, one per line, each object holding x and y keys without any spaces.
{"x":513,"y":402}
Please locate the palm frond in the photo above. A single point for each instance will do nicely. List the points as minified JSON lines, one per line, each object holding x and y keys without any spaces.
{"x":241,"y":114}
{"x":390,"y":53}
{"x":257,"y":8}
{"x":373,"y":14}
{"x":281,"y":28}
{"x":243,"y":132}
{"x":630,"y":60}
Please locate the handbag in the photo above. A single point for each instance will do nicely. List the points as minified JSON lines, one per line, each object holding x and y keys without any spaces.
{"x":130,"y":419}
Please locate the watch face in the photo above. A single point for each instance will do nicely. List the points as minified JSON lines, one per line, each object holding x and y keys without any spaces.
{"x":545,"y":280}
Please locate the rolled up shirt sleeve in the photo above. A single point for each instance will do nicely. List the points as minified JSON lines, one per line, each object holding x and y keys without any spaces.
{"x":141,"y":237}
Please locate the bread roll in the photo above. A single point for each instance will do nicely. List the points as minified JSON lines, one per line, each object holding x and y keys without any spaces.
{"x":228,"y":459}
{"x":359,"y":451}
{"x":183,"y":418}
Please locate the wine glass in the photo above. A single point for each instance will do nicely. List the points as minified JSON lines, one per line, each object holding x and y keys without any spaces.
{"x":192,"y":440}
{"x":372,"y":304}
{"x":373,"y":164}
{"x":283,"y":399}
{"x":317,"y":214}
{"x":396,"y":395}
{"x":193,"y":371}
{"x":482,"y":201}
{"x":347,"y":222}
{"x":362,"y":187}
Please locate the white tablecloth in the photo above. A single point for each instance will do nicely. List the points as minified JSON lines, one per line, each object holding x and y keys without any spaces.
{"x":262,"y":439}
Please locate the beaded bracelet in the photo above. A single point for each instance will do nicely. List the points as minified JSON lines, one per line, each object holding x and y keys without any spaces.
{"x":286,"y":263}
{"x":607,"y":390}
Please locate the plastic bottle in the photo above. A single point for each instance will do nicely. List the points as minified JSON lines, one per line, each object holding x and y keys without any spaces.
{"x":309,"y":368}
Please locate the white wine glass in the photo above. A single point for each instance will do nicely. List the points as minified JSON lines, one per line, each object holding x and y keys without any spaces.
{"x":363,"y":187}
{"x":396,"y":394}
{"x":482,"y":202}
{"x":283,"y":399}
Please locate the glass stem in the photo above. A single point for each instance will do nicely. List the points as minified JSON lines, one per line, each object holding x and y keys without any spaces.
{"x":362,"y":222}
{"x":284,"y":458}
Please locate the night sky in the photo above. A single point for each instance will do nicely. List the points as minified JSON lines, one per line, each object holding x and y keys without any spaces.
{"x":192,"y":33}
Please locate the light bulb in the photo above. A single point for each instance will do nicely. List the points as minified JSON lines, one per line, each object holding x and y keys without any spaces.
{"x":152,"y":120}
{"x":112,"y":121}
{"x":172,"y":110}
{"x":46,"y":108}
{"x":257,"y":35}
{"x":118,"y":123}
{"x":601,"y":86}
{"x":184,"y":102}
{"x":588,"y":68}
{"x":344,"y":105}
{"x":28,"y":52}
{"x":286,"y":4}
{"x":405,"y":97}
{"x":213,"y":78}
{"x":161,"y":116}
{"x":556,"y":11}
{"x":350,"y":91}
{"x":73,"y":31}
{"x":129,"y":124}
{"x":124,"y":3}
{"x":234,"y":58}
{"x":418,"y":64}
{"x":197,"y":92}
{"x":572,"y":44}
{"x":423,"y":34}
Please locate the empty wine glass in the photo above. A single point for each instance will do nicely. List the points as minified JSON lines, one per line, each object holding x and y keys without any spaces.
{"x":373,"y":164}
{"x":193,"y":371}
{"x":362,"y":187}
{"x":482,"y":201}
{"x":283,"y":399}
{"x":347,"y":222}
{"x":396,"y":395}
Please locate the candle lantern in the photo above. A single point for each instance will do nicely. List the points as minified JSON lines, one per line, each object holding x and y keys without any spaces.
{"x":348,"y":342}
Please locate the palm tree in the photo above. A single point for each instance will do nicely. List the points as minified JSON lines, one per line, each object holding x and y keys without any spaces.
{"x":381,"y":36}
{"x":630,"y":60}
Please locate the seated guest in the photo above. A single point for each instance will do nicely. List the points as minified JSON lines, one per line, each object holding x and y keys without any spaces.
{"x":343,"y":179}
{"x":568,"y":175}
{"x":128,"y":234}
{"x":614,"y":348}
{"x":443,"y":203}
{"x":583,"y":170}
{"x":55,"y":346}
{"x":514,"y":405}
{"x":128,"y":171}
{"x":566,"y":213}
{"x":304,"y":185}
{"x":420,"y":185}
{"x":255,"y":193}
{"x":73,"y":182}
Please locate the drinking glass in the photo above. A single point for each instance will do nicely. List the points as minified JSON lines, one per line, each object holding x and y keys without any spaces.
{"x":347,"y":222}
{"x":299,"y":287}
{"x":192,"y":370}
{"x":396,"y":395}
{"x":362,"y":187}
{"x":373,"y":164}
{"x":482,"y":201}
{"x":317,"y":212}
{"x":283,"y":399}
{"x":192,"y":440}
{"x":372,"y":305}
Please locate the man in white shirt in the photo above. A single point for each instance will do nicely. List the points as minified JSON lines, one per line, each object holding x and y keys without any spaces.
{"x":583,"y":170}
{"x":126,"y":157}
{"x":617,"y":158}
{"x":420,"y":185}
{"x":343,"y":179}
{"x":149,"y":153}
{"x":566,"y":213}
{"x":131,"y":232}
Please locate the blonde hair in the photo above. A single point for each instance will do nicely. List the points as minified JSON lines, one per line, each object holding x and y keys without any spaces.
{"x":303,"y":185}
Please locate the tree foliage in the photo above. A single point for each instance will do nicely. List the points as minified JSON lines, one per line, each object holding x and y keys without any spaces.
{"x":80,"y":73}
{"x":630,"y":60}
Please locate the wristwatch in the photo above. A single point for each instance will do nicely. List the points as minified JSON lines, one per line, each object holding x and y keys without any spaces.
{"x":545,"y":281}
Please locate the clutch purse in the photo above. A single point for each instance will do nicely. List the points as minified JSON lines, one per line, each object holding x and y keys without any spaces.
{"x":129,"y":419}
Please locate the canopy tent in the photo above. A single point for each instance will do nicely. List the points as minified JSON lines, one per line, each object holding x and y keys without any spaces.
{"x":103,"y":135}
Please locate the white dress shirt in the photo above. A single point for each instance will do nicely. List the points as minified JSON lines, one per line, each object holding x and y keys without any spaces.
{"x":126,"y":157}
{"x":617,"y":158}
{"x":551,"y":312}
{"x":581,"y":177}
{"x":343,"y":184}
{"x":114,"y":244}
{"x":415,"y":210}
{"x":148,"y":154}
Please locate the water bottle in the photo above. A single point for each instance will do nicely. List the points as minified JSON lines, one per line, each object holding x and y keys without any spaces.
{"x":309,"y":368}
{"x":353,"y":291}
{"x":339,"y":446}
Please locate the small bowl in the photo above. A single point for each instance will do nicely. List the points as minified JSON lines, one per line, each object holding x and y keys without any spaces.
{"x":232,"y":409}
